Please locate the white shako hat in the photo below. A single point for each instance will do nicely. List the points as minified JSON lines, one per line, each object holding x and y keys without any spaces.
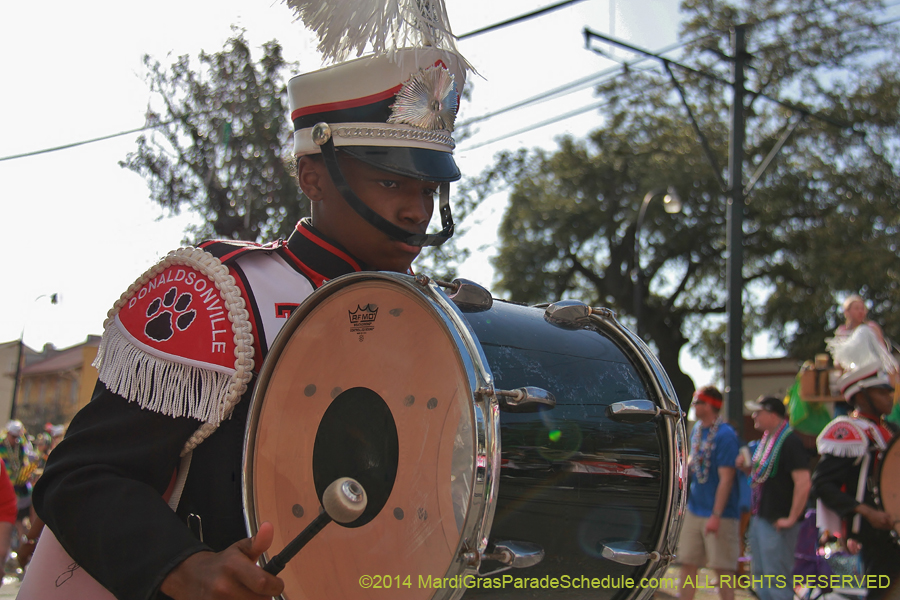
{"x":863,"y":377}
{"x":394,"y":108}
{"x":396,"y":112}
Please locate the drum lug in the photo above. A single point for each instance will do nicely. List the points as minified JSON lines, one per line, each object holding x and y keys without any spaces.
{"x":633,"y":558}
{"x":524,"y":399}
{"x":572,"y":314}
{"x":638,"y":411}
{"x":568,"y":314}
{"x":468,"y":295}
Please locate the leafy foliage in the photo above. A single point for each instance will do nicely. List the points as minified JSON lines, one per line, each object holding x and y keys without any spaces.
{"x":821,"y":221}
{"x":221,"y":144}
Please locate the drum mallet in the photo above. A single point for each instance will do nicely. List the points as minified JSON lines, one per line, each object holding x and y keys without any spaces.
{"x":344,"y":501}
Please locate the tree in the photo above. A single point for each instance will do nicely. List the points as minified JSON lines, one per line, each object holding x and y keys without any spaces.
{"x":221,"y":142}
{"x":821,"y":221}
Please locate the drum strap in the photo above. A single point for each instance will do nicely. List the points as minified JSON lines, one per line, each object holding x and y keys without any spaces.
{"x":861,"y":487}
{"x":180,"y":480}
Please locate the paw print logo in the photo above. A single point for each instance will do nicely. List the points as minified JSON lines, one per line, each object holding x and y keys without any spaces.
{"x":167,"y":314}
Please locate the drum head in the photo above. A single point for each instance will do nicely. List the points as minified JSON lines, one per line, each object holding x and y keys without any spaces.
{"x":367,"y":380}
{"x":888,"y":486}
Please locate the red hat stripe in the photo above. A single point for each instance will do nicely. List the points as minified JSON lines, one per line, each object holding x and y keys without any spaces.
{"x":346,"y":104}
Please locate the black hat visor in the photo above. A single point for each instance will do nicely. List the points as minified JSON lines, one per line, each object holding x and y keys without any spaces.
{"x":416,"y":163}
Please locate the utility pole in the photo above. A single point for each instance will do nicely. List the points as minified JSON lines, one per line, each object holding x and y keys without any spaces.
{"x":12,"y":406}
{"x":735,"y":192}
{"x":734,"y":362}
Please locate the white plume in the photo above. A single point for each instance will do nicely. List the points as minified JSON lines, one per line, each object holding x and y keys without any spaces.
{"x":345,"y":27}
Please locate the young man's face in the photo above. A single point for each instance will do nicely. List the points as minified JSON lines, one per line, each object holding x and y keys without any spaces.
{"x":405,"y":202}
{"x":882,"y":400}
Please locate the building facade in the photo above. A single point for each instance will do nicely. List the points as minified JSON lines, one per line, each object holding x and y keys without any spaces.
{"x":54,"y":388}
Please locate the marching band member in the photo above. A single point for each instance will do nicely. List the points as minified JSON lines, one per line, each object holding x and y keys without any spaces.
{"x":165,"y":428}
{"x":844,"y":479}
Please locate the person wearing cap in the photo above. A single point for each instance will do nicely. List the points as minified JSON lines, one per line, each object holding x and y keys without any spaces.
{"x":780,"y":482}
{"x":710,"y":531}
{"x":844,"y":480}
{"x":373,"y":146}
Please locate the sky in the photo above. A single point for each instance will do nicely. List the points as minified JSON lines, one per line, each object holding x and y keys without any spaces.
{"x":78,"y":225}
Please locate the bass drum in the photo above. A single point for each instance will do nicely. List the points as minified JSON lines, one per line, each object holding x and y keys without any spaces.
{"x":889,"y":486}
{"x":501,"y":446}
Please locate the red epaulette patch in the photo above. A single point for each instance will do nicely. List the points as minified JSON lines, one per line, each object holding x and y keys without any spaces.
{"x":844,"y":436}
{"x":179,"y":314}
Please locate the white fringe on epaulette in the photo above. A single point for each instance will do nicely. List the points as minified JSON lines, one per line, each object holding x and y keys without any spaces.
{"x":843,"y":449}
{"x":163,"y":386}
{"x":186,"y":390}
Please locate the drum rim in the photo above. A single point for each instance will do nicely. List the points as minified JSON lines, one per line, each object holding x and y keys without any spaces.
{"x":475,"y":531}
{"x":676,"y":429}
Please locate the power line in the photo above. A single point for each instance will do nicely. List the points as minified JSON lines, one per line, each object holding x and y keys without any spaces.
{"x":474,"y":33}
{"x":518,"y":19}
{"x":572,"y":86}
{"x":781,"y":44}
{"x":81,"y":143}
{"x":556,"y":119}
{"x":713,"y":77}
{"x":562,"y":117}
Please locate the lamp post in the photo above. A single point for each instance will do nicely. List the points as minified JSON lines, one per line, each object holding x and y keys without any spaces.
{"x":672,"y":205}
{"x":54,"y":299}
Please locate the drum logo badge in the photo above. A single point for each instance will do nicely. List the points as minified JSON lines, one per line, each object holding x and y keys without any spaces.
{"x":362,"y":320}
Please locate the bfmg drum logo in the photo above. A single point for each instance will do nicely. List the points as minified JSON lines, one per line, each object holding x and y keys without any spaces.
{"x":362,"y":319}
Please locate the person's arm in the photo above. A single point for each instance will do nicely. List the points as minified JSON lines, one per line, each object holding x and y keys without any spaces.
{"x":723,"y":491}
{"x":877,"y":518}
{"x":802,"y":485}
{"x":742,"y":466}
{"x":830,"y":475}
{"x":232,"y":573}
{"x":102,"y":496}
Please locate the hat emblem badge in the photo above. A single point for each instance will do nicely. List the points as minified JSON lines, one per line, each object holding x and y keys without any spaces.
{"x":427,"y":101}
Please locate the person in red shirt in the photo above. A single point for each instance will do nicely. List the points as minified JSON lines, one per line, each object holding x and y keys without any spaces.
{"x":8,"y":511}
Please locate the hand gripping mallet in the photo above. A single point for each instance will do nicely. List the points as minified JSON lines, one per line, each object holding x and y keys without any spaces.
{"x":344,"y":501}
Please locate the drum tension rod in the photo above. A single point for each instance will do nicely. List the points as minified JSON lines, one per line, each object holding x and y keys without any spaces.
{"x":639,"y":411}
{"x":511,"y":554}
{"x":524,"y":399}
{"x":633,"y":558}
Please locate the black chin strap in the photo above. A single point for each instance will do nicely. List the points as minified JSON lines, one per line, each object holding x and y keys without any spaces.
{"x":379,"y":222}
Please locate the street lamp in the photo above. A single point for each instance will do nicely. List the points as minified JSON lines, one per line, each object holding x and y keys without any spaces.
{"x":672,"y":205}
{"x":54,"y":299}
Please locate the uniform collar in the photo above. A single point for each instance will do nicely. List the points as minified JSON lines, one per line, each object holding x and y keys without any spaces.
{"x":318,"y":253}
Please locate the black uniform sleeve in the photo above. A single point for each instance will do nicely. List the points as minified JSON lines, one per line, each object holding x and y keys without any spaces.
{"x":101,"y":495}
{"x":832,"y":473}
